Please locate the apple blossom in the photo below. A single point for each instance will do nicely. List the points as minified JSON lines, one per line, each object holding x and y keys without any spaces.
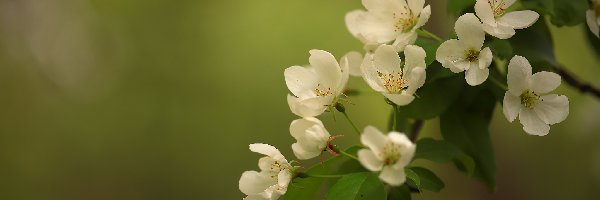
{"x":385,"y":74}
{"x":593,"y":17}
{"x":388,"y":154}
{"x":354,"y":60}
{"x":317,"y":87}
{"x":273,"y":179}
{"x":312,"y":137}
{"x":499,"y":23}
{"x":525,"y":98}
{"x":465,"y":54}
{"x":388,"y":20}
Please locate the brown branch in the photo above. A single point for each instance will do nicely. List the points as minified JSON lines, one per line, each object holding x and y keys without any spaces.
{"x":577,"y":84}
{"x":416,"y":128}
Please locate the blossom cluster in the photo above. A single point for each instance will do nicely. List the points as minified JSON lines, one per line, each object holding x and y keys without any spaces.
{"x":388,"y":29}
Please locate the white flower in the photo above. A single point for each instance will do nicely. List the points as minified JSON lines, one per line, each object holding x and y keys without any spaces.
{"x":384,"y":74}
{"x":525,"y":98}
{"x":388,"y":154}
{"x":273,"y":179}
{"x":500,"y":24}
{"x":353,"y":60}
{"x":311,"y":136}
{"x":316,"y":87}
{"x":465,"y":54}
{"x":593,"y":17}
{"x":388,"y":20}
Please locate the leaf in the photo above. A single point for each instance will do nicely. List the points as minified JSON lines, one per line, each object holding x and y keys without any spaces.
{"x":428,"y":180}
{"x":402,"y":123}
{"x":465,"y":163}
{"x":465,"y":125}
{"x":535,"y":44}
{"x":435,"y":71}
{"x":413,"y":177}
{"x":501,"y":48}
{"x":458,"y":7}
{"x":364,"y":185}
{"x":438,"y":151}
{"x":308,"y":188}
{"x":430,"y":48}
{"x":562,"y":12}
{"x":399,"y":193}
{"x":434,"y":98}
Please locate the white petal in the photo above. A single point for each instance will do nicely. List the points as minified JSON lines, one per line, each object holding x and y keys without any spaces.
{"x":423,"y":18}
{"x":256,"y":197}
{"x":544,"y":82}
{"x":401,"y":99}
{"x":283,"y":179}
{"x":484,"y":12}
{"x":370,"y":27}
{"x":301,"y":81}
{"x":414,"y":57}
{"x":385,"y":6}
{"x":354,"y":20}
{"x":326,"y":67}
{"x":449,"y":54}
{"x":552,"y":108}
{"x":386,"y":59}
{"x":591,"y":18}
{"x":252,"y":182}
{"x":370,"y":74}
{"x":519,"y":19}
{"x":341,"y":85}
{"x":476,"y":75}
{"x":308,"y":107}
{"x":485,"y":58}
{"x":519,"y":75}
{"x":508,"y":3}
{"x":416,"y":79}
{"x":404,"y":39}
{"x":407,"y":148}
{"x":374,"y":139}
{"x":500,"y":31}
{"x":303,"y":154}
{"x":353,"y":60}
{"x":393,"y":175}
{"x":532,"y":124}
{"x":298,"y":127}
{"x":511,"y":106}
{"x":470,"y":31}
{"x":416,"y":6}
{"x":367,"y":158}
{"x":266,"y":150}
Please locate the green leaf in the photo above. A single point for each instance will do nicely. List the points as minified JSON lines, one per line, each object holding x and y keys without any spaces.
{"x":434,"y":98}
{"x":402,"y":123}
{"x":365,"y":185}
{"x":465,"y":163}
{"x":308,"y":188}
{"x":430,"y":48}
{"x":438,"y":151}
{"x":535,"y":44}
{"x":428,"y":180}
{"x":435,"y":71}
{"x":562,"y":12}
{"x":399,"y":193}
{"x":466,"y":124}
{"x":458,"y":7}
{"x":413,"y":177}
{"x":501,"y":48}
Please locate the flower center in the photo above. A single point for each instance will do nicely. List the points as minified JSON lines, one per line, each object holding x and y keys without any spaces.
{"x":276,"y":167}
{"x":405,"y":21}
{"x":390,"y":153}
{"x":393,"y":82}
{"x":497,"y":7}
{"x":471,"y":55}
{"x":529,"y":99}
{"x":322,"y":92}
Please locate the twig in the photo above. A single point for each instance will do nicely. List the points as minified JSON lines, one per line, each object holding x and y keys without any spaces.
{"x":416,"y":128}
{"x":577,"y":84}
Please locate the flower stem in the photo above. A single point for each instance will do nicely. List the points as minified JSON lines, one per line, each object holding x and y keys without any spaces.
{"x":351,"y":123}
{"x":395,"y":117}
{"x":425,"y":33}
{"x":344,"y":153}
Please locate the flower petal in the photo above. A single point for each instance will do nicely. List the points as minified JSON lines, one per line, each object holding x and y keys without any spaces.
{"x":544,"y":82}
{"x":374,"y":139}
{"x":353,"y":60}
{"x":367,"y":158}
{"x":414,"y":57}
{"x":303,"y":154}
{"x":500,"y":31}
{"x":407,"y":148}
{"x":519,"y":19}
{"x":252,"y":182}
{"x":592,"y":23}
{"x":283,"y":179}
{"x":470,"y":31}
{"x":450,"y":54}
{"x":416,"y":6}
{"x":401,"y":99}
{"x":552,"y":108}
{"x":386,"y":59}
{"x":354,"y":20}
{"x":326,"y":67}
{"x":507,"y":3}
{"x":382,"y":6}
{"x":309,"y":107}
{"x":532,"y":124}
{"x":519,"y":75}
{"x":265,"y":149}
{"x":423,"y":17}
{"x":484,"y":12}
{"x":370,"y":74}
{"x":485,"y":58}
{"x":404,"y":39}
{"x":393,"y":175}
{"x":511,"y":106}
{"x":416,"y":79}
{"x":301,"y":81}
{"x":476,"y":75}
{"x":298,"y":127}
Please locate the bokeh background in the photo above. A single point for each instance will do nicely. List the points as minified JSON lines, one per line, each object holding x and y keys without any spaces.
{"x":148,"y":99}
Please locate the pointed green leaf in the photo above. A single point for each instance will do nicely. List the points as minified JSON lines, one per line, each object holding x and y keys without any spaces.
{"x":428,"y":180}
{"x":364,"y":185}
{"x":412,"y":177}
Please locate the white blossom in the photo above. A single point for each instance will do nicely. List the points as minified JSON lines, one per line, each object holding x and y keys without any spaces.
{"x":499,"y":23}
{"x":465,"y":54}
{"x":526,"y":98}
{"x":388,"y":20}
{"x":353,"y":60}
{"x":388,"y":154}
{"x":593,"y":17}
{"x":273,"y":179}
{"x":385,"y":74}
{"x":311,"y":136}
{"x":316,"y":87}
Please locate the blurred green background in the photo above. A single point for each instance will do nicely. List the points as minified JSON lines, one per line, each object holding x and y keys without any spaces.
{"x":132,"y":99}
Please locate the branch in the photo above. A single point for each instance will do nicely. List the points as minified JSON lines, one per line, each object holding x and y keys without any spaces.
{"x":416,"y":128}
{"x":577,"y":84}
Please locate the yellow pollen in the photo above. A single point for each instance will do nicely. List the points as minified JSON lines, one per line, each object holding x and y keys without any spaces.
{"x":390,"y":153}
{"x":497,"y":7}
{"x":529,"y":99}
{"x":471,"y":55}
{"x":405,"y":21}
{"x":393,"y":82}
{"x":322,"y":93}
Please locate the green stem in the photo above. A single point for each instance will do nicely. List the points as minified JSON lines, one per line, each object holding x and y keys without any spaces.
{"x":425,"y":33}
{"x":347,"y":154}
{"x":351,"y":123}
{"x":325,"y":175}
{"x":395,"y":117}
